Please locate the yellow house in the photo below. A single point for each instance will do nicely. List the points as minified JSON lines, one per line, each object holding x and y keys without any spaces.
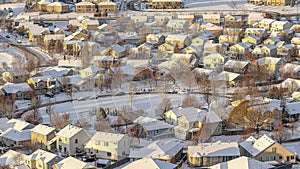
{"x":42,"y":5}
{"x":272,"y":64}
{"x":208,"y":154}
{"x":271,"y":41}
{"x":167,"y":47}
{"x":36,"y":33}
{"x":266,"y":149}
{"x":280,"y":25}
{"x":51,"y":40}
{"x":90,"y":24}
{"x":212,"y":18}
{"x":189,"y":18}
{"x":167,"y":4}
{"x":239,"y":49}
{"x":213,"y":60}
{"x":85,"y":7}
{"x":41,"y":159}
{"x":228,"y":39}
{"x":41,"y":135}
{"x":58,"y":7}
{"x":252,"y":39}
{"x":107,"y":7}
{"x":180,"y":40}
{"x":295,"y":41}
{"x":278,"y":2}
{"x":265,"y":23}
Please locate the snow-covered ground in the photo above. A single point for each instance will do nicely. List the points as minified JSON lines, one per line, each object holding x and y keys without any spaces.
{"x":213,"y":4}
{"x":16,"y":7}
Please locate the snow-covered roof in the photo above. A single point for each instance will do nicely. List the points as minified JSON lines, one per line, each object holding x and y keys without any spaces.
{"x":16,"y":135}
{"x":69,"y":131}
{"x":42,"y":155}
{"x":227,"y":76}
{"x":9,"y":157}
{"x":107,"y":3}
{"x":149,"y":163}
{"x":46,"y":2}
{"x":71,"y":162}
{"x":166,"y":0}
{"x":266,"y":21}
{"x":118,"y":48}
{"x":242,"y":163}
{"x":15,"y":87}
{"x":57,"y":4}
{"x":176,"y":37}
{"x":293,"y":108}
{"x":218,"y":149}
{"x":55,"y":71}
{"x":175,"y":22}
{"x":150,"y":124}
{"x":91,"y":22}
{"x":216,"y":55}
{"x":85,"y":3}
{"x":268,"y":60}
{"x":235,"y":64}
{"x":42,"y":78}
{"x":70,"y":63}
{"x":55,"y":36}
{"x":93,"y":69}
{"x":256,"y":146}
{"x":109,"y":137}
{"x":42,"y":129}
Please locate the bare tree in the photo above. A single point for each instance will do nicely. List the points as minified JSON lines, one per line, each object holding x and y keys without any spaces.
{"x":85,"y":55}
{"x":190,"y":101}
{"x":118,"y":78}
{"x":49,"y":109}
{"x":59,"y":48}
{"x":34,"y":117}
{"x":280,"y":133}
{"x":103,"y":125}
{"x":60,"y":120}
{"x":83,"y":122}
{"x":163,"y":107}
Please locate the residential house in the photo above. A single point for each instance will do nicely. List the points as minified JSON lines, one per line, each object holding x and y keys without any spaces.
{"x":167,"y":4}
{"x":104,"y":61}
{"x":56,"y":72}
{"x":170,"y":150}
{"x":177,"y":26}
{"x":242,"y":163}
{"x":90,"y":24}
{"x":212,"y":18}
{"x":155,"y":39}
{"x":252,"y":39}
{"x":42,"y":5}
{"x":77,"y":83}
{"x":287,"y":51}
{"x":292,"y":110}
{"x":278,"y":2}
{"x":255,"y":17}
{"x":129,"y":37}
{"x":58,"y":7}
{"x":108,"y":146}
{"x":271,"y":63}
{"x":71,"y":162}
{"x":265,"y":23}
{"x":17,"y":90}
{"x":167,"y":47}
{"x":9,"y":159}
{"x":193,"y":49}
{"x":118,"y":51}
{"x":71,"y":139}
{"x":36,"y":33}
{"x":14,"y":124}
{"x":89,"y":71}
{"x":230,"y":39}
{"x":232,"y":79}
{"x":188,"y":59}
{"x":258,"y":32}
{"x":189,"y":18}
{"x":153,"y":129}
{"x":240,"y":49}
{"x":15,"y":76}
{"x":236,"y":66}
{"x":179,"y":40}
{"x":232,"y":21}
{"x":208,"y":154}
{"x":265,"y":51}
{"x":266,"y":149}
{"x":213,"y":28}
{"x":41,"y":159}
{"x":291,"y":70}
{"x":280,"y":26}
{"x":13,"y":137}
{"x":107,"y":7}
{"x":295,"y":41}
{"x":172,"y":115}
{"x":162,"y":18}
{"x":43,"y":84}
{"x":214,"y":60}
{"x":85,"y":7}
{"x":149,"y":163}
{"x":199,"y":41}
{"x":42,"y":135}
{"x":72,"y":64}
{"x":139,"y":19}
{"x":51,"y":41}
{"x":272,"y":41}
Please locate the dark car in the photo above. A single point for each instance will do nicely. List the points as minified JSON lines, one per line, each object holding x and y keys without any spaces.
{"x":51,"y":95}
{"x":7,"y":36}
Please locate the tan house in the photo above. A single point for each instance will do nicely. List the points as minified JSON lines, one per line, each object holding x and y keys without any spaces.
{"x":252,"y":39}
{"x":213,"y":60}
{"x":41,"y":159}
{"x":70,"y":140}
{"x":208,"y":154}
{"x":51,"y":40}
{"x":265,"y":23}
{"x":167,"y":4}
{"x":42,"y":135}
{"x":90,"y":24}
{"x":178,"y":40}
{"x":36,"y":33}
{"x":58,"y":7}
{"x":230,"y":39}
{"x":280,"y":25}
{"x":107,"y":7}
{"x":272,"y":41}
{"x":212,"y":18}
{"x":265,"y":50}
{"x":266,"y":149}
{"x":176,"y":25}
{"x":239,"y":49}
{"x":278,"y":2}
{"x":42,"y":5}
{"x":273,"y":64}
{"x":71,"y":162}
{"x":255,"y":17}
{"x":189,"y":18}
{"x":108,"y":145}
{"x":85,"y":7}
{"x":258,"y":32}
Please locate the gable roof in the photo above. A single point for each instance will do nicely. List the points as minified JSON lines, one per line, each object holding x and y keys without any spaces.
{"x":69,"y":131}
{"x":70,"y":162}
{"x":8,"y":158}
{"x":42,"y":129}
{"x":149,"y":163}
{"x":256,"y":146}
{"x":16,"y":135}
{"x":15,"y":87}
{"x":118,"y":48}
{"x":110,"y":137}
{"x":150,"y":124}
{"x":293,"y":108}
{"x":42,"y":155}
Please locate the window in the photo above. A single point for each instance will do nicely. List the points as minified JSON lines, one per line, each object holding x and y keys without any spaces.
{"x":105,"y":143}
{"x":108,"y":154}
{"x":76,"y":141}
{"x":292,"y":157}
{"x":274,"y":150}
{"x":280,"y":157}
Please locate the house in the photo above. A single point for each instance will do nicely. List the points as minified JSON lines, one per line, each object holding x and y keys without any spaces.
{"x":73,"y":64}
{"x":291,"y":70}
{"x":12,"y":137}
{"x":280,"y":26}
{"x":292,"y":110}
{"x":229,"y":39}
{"x":295,"y":41}
{"x":172,"y":115}
{"x":214,"y":59}
{"x":212,"y":18}
{"x":42,"y":5}
{"x":252,"y":39}
{"x":118,"y":51}
{"x":71,"y":162}
{"x":266,"y":149}
{"x":236,"y":66}
{"x":9,"y":159}
{"x":271,"y":63}
{"x":189,"y":18}
{"x":240,"y":49}
{"x":55,"y":72}
{"x":188,"y":59}
{"x":193,"y":49}
{"x":41,"y":159}
{"x":89,"y":71}
{"x":231,"y":21}
{"x":288,"y":50}
{"x":15,"y":76}
{"x":153,"y":129}
{"x":108,"y":145}
{"x":166,"y":150}
{"x":242,"y":163}
{"x":77,"y":83}
{"x":58,"y":7}
{"x":213,"y":28}
{"x":177,"y":26}
{"x":265,"y":23}
{"x":43,"y":84}
{"x":265,"y":50}
{"x":208,"y":154}
{"x":199,"y":40}
{"x":85,"y":7}
{"x":17,"y":90}
{"x":179,"y":40}
{"x":51,"y":41}
{"x":42,"y":135}
{"x":107,"y":7}
{"x":139,"y":18}
{"x":167,"y":4}
{"x":71,"y":139}
{"x":14,"y":124}
{"x":272,"y":41}
{"x":258,"y":32}
{"x":149,"y":163}
{"x":232,"y":79}
{"x":90,"y":24}
{"x":278,"y":2}
{"x":155,"y":39}
{"x":255,"y":17}
{"x":129,"y":37}
{"x":167,"y":47}
{"x":36,"y":33}
{"x":104,"y":61}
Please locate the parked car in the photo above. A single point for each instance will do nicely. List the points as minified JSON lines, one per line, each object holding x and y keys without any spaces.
{"x":50,"y":95}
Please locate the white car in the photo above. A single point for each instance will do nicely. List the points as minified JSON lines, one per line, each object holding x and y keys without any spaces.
{"x":19,"y":41}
